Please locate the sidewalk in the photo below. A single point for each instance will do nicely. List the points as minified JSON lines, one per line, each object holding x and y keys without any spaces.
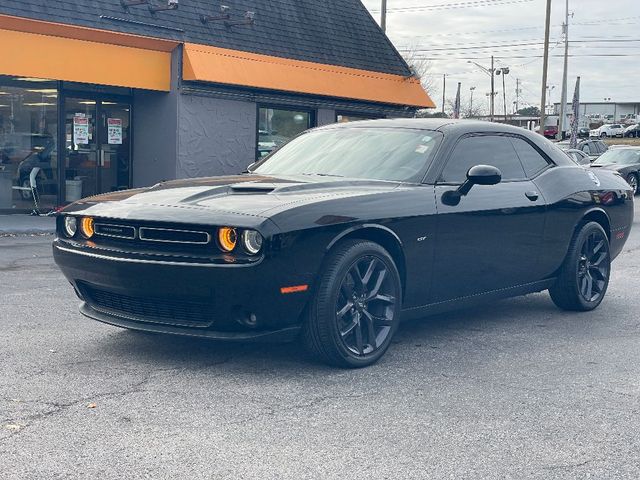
{"x":26,"y":224}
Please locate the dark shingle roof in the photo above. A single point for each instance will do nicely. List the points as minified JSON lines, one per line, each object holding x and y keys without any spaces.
{"x":337,"y":32}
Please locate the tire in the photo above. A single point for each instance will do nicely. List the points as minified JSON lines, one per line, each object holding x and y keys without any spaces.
{"x":584,"y":275}
{"x":26,"y":194}
{"x":603,"y":135}
{"x":632,"y":180}
{"x":355,"y":310}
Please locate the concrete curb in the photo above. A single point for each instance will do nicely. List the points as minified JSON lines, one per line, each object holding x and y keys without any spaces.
{"x":26,"y":225}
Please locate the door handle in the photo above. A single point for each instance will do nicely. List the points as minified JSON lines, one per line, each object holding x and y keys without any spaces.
{"x":532,"y":195}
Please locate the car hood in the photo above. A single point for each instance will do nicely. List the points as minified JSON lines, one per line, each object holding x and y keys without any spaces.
{"x":610,"y":166}
{"x":241,"y":195}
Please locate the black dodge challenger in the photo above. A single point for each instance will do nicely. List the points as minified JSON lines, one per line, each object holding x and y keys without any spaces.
{"x":344,"y":230}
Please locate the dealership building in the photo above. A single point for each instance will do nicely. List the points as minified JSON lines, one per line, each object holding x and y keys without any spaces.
{"x":104,"y":95}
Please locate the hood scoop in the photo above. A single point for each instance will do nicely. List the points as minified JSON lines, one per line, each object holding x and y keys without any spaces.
{"x":252,"y":188}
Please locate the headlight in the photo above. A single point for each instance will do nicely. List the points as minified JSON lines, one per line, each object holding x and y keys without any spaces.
{"x":227,"y":238}
{"x":252,"y":241}
{"x":70,"y":226}
{"x":86,"y":227}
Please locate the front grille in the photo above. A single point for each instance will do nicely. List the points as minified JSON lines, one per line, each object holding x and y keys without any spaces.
{"x":115,"y":231}
{"x":174,"y":236}
{"x":176,"y":312}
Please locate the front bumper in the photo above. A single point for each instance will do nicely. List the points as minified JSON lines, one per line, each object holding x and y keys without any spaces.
{"x":202,"y":300}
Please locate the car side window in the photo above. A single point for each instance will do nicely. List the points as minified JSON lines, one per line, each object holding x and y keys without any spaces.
{"x":532,"y":161}
{"x":602,"y":147}
{"x":494,"y":150}
{"x":586,"y":149}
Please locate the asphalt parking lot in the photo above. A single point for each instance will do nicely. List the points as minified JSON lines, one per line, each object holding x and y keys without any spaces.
{"x":516,"y":389}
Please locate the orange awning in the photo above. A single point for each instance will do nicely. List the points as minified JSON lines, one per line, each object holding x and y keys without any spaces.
{"x":28,"y":54}
{"x":232,"y":67}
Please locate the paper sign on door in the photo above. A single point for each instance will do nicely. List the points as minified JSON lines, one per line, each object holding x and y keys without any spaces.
{"x":114,"y":126}
{"x":80,"y":130}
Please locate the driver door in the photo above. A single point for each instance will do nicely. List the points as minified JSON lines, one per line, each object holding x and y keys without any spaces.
{"x":492,"y":239}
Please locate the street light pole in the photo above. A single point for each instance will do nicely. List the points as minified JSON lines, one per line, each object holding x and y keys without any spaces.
{"x":504,"y":71}
{"x":491,"y":72}
{"x":493,"y":89}
{"x":545,"y":67}
{"x":471,"y":103}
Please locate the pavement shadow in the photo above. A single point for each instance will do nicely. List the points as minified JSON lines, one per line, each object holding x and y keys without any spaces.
{"x":167,"y":351}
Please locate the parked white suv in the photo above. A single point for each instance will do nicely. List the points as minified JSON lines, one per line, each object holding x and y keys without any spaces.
{"x":613,"y":130}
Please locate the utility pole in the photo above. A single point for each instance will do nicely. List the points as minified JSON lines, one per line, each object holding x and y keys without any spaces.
{"x":493,"y":88}
{"x":383,"y":21}
{"x":517,"y":95}
{"x":545,"y":67}
{"x":563,"y":98}
{"x":444,"y":89}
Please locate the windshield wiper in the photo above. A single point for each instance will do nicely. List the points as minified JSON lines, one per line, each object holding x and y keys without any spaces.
{"x":322,"y":175}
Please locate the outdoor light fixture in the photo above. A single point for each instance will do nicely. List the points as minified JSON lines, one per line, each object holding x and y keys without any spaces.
{"x":249,"y":19}
{"x":171,"y":5}
{"x":224,"y":15}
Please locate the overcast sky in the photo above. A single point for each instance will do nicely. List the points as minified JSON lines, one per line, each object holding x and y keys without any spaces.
{"x":456,"y":31}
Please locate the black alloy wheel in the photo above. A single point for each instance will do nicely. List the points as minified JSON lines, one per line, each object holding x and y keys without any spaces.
{"x":366,"y":305}
{"x":584,"y":276}
{"x":633,"y":181}
{"x":356,"y":306}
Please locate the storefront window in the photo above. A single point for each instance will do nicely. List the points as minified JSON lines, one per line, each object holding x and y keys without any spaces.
{"x":276,"y":127}
{"x":28,"y":143}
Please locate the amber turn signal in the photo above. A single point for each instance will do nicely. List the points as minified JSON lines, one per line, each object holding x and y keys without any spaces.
{"x":86,"y":227}
{"x":227,"y":238}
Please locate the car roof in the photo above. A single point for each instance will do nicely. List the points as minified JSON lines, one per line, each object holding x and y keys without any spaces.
{"x":445,"y":125}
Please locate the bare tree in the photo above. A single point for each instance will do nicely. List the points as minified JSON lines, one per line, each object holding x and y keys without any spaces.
{"x":422,"y":69}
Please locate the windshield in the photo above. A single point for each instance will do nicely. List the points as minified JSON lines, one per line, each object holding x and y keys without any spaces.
{"x":620,"y":156}
{"x":367,"y":153}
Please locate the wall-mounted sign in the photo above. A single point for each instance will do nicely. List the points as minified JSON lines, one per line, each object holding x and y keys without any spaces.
{"x":114,"y":127}
{"x":80,"y":129}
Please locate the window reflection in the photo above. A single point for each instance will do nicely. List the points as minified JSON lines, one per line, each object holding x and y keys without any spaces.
{"x":277,"y":126}
{"x":28,"y":150}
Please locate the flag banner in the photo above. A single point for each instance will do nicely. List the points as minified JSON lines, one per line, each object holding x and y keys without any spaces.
{"x":575,"y":117}
{"x":456,"y":107}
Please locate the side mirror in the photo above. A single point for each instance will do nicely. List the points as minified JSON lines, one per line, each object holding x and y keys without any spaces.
{"x":483,"y":175}
{"x":478,"y":175}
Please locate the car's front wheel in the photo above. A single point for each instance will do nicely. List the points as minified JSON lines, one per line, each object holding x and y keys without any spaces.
{"x":355,"y":310}
{"x":584,"y":275}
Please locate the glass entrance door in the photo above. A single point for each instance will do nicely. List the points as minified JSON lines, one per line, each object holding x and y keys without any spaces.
{"x":96,"y":146}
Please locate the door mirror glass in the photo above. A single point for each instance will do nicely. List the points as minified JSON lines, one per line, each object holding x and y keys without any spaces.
{"x":484,"y":175}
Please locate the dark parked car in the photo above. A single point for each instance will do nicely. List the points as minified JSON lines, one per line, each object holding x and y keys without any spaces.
{"x":578,"y":156}
{"x":625,"y":161}
{"x":632,"y":131}
{"x":339,"y":233}
{"x":583,"y":132}
{"x":593,"y":148}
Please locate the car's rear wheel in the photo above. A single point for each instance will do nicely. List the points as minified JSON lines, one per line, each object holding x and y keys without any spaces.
{"x":355,"y":310}
{"x":632,"y":180}
{"x":584,"y":275}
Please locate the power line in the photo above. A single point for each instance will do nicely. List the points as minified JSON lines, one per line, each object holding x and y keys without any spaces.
{"x":525,"y":57}
{"x":508,"y":45}
{"x":454,"y":6}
